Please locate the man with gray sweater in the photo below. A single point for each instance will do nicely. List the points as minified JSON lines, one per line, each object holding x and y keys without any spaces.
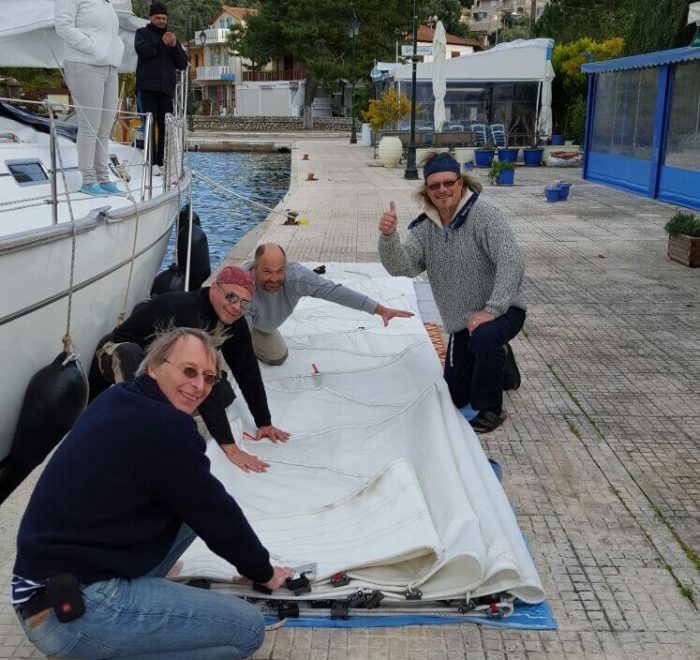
{"x":280,"y":285}
{"x":475,"y":267}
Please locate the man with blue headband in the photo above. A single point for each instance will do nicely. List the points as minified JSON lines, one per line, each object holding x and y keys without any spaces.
{"x":475,"y":267}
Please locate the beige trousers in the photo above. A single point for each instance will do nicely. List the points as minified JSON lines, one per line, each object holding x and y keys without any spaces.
{"x":270,"y":347}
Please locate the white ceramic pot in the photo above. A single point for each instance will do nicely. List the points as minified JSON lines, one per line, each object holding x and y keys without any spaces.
{"x":389,"y":151}
{"x":464,"y":155}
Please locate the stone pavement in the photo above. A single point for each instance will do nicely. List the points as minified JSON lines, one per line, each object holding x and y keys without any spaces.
{"x":600,"y":448}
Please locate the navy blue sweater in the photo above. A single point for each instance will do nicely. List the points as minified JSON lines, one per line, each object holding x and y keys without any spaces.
{"x":112,"y":498}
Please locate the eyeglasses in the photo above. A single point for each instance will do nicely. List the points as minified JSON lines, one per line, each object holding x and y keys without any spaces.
{"x":192,"y":373}
{"x":434,"y":187}
{"x":232,"y":299}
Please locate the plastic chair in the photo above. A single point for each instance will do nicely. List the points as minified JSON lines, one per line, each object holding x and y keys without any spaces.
{"x":498,"y":132}
{"x":480,"y":134}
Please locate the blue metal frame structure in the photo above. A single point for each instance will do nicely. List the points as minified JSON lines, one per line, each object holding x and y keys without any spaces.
{"x":652,"y":178}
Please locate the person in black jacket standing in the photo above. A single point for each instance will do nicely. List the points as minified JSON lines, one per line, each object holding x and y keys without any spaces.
{"x":220,"y":305}
{"x":126,"y":492}
{"x":160,"y":57}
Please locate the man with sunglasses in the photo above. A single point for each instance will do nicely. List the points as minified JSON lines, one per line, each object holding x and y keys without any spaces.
{"x":476,"y":268}
{"x":108,"y":520}
{"x":280,"y":286}
{"x":223,"y":304}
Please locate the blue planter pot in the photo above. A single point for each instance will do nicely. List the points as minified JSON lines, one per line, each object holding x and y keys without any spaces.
{"x":564,"y":190}
{"x":506,"y":178}
{"x":557,"y":140}
{"x":483,"y":158}
{"x":507,"y":155}
{"x":533,"y":156}
{"x":552,"y":193}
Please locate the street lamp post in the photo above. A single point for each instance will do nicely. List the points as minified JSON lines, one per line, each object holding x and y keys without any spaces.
{"x":411,"y":171}
{"x":353,"y":31}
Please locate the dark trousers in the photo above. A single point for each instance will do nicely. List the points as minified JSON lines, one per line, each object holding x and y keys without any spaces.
{"x":474,"y":363}
{"x":158,"y":104}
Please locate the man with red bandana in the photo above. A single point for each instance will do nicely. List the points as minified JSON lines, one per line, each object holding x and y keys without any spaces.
{"x":223,"y":303}
{"x":476,"y":268}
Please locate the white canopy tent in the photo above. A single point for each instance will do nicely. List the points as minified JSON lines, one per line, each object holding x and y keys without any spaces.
{"x":28,"y":37}
{"x":519,"y":60}
{"x":522,"y":60}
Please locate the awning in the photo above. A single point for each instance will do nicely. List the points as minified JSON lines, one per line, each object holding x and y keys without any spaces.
{"x":659,"y":58}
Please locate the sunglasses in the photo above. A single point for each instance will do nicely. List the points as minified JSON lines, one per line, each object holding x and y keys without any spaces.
{"x":433,"y":187}
{"x":232,"y":299}
{"x":192,"y":373}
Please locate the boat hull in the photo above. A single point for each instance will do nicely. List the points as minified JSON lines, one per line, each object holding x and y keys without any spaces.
{"x":36,"y":266}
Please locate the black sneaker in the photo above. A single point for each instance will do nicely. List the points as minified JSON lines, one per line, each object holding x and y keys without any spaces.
{"x":487,"y":421}
{"x":511,"y":372}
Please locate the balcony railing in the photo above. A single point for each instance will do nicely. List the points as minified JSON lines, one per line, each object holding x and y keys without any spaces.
{"x":214,"y":36}
{"x":215,"y":73}
{"x":267,"y":76}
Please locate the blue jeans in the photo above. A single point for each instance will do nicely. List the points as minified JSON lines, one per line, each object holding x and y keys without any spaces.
{"x":150,"y":618}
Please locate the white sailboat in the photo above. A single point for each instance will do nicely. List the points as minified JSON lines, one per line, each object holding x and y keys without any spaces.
{"x":55,"y":242}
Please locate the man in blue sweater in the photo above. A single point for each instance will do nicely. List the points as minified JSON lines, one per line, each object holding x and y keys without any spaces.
{"x":124,"y":495}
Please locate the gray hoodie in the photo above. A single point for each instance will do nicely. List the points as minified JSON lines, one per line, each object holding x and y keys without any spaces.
{"x":269,"y":310}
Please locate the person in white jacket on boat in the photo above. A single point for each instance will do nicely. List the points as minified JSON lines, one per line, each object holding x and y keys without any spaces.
{"x":91,"y":55}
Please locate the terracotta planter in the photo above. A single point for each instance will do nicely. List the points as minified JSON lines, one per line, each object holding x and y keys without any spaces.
{"x":684,"y":249}
{"x":389,"y":151}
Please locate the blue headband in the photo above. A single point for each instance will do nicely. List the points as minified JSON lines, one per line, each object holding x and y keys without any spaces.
{"x":441,"y":163}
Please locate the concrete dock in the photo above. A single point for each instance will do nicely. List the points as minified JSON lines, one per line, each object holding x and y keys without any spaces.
{"x":600,"y":451}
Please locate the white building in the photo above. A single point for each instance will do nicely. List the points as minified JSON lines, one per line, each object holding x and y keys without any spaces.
{"x":456,"y":46}
{"x":488,"y":16}
{"x":216,"y":72}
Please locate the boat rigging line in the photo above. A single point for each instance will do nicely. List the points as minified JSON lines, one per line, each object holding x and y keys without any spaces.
{"x":215,"y":184}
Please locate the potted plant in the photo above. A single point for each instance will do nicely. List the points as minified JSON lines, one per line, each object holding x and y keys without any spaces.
{"x":483,"y":156}
{"x":504,"y":115}
{"x":684,"y":238}
{"x":502,"y":173}
{"x":532,"y":154}
{"x":386,"y":112}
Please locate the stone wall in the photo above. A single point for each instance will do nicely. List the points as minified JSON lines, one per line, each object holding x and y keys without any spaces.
{"x":263,"y":124}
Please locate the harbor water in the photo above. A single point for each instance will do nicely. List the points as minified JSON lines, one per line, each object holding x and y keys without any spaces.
{"x":261,"y":177}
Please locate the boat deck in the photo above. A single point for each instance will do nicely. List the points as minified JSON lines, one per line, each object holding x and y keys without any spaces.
{"x":600,"y":451}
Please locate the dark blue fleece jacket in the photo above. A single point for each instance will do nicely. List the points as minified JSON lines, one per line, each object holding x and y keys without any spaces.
{"x":112,"y":498}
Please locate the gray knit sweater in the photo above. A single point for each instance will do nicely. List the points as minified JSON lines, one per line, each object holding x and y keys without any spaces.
{"x":474,"y":264}
{"x":269,"y":310}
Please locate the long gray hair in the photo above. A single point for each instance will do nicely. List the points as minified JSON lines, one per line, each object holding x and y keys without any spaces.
{"x":159,"y":349}
{"x":469,"y":182}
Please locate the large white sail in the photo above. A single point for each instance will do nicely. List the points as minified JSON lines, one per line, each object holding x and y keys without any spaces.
{"x":28,"y":37}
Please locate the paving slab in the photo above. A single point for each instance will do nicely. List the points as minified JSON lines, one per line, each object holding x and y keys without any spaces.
{"x":600,"y":451}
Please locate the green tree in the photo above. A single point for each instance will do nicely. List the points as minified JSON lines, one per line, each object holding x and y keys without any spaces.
{"x":569,"y":87}
{"x":569,"y":20}
{"x":315,"y":34}
{"x":656,"y":25}
{"x":188,"y":16}
{"x":449,"y":12}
